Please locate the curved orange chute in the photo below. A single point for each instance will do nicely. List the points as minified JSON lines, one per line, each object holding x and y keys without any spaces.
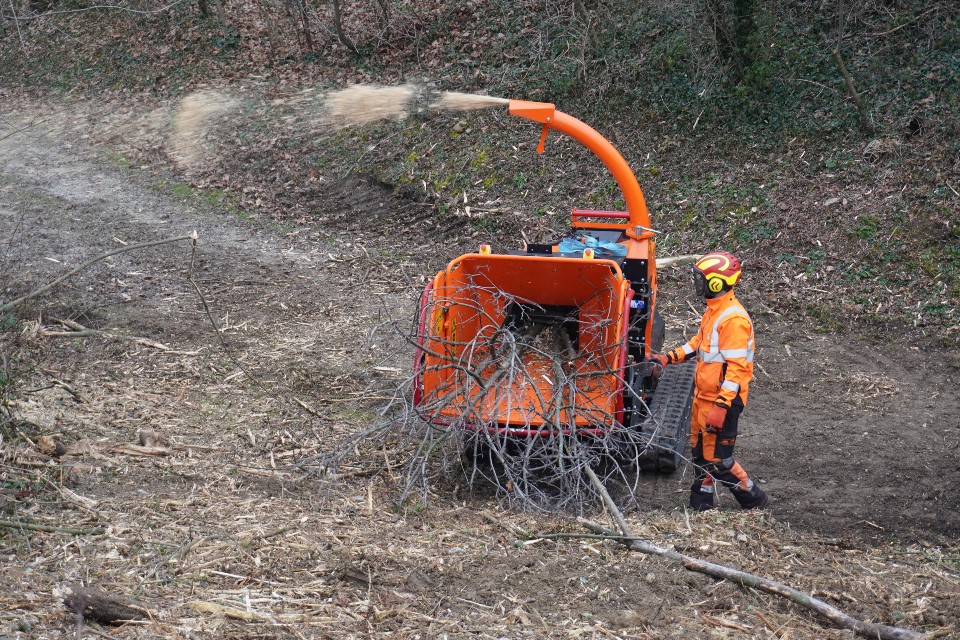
{"x":547,"y":114}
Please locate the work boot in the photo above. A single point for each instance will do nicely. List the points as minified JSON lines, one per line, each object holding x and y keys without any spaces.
{"x":701,"y":497}
{"x":752,"y":498}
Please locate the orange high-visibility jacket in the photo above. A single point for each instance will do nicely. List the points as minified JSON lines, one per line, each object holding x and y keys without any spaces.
{"x":724,"y":350}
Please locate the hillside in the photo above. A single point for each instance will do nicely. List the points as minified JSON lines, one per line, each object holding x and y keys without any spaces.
{"x":764,"y":156}
{"x":168,"y":416}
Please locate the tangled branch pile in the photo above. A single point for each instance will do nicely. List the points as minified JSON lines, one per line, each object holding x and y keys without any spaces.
{"x":520,"y":398}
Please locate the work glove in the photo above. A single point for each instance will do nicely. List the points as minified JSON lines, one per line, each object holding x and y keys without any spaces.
{"x":715,"y":418}
{"x":659,"y":360}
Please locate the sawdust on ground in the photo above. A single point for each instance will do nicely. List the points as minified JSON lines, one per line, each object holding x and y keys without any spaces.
{"x":215,"y":528}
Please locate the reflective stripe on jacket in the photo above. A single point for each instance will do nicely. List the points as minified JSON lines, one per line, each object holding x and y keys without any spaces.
{"x":724,"y":350}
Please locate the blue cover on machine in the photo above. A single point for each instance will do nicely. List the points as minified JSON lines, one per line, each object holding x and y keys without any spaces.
{"x":602,"y":249}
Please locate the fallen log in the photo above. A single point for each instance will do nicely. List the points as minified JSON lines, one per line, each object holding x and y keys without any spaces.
{"x":103,"y":607}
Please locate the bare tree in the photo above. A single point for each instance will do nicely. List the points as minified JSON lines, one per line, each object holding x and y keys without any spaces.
{"x":733,"y":23}
{"x":274,"y":38}
{"x":866,"y":124}
{"x":338,"y":27}
{"x":218,"y":15}
{"x":298,"y":12}
{"x":383,"y":13}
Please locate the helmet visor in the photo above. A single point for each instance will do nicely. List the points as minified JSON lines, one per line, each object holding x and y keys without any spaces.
{"x":699,"y":282}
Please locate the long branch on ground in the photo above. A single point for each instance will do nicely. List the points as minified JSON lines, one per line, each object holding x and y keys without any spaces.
{"x":833,"y":614}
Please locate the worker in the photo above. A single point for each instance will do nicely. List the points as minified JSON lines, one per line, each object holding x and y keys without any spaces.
{"x":724,"y":350}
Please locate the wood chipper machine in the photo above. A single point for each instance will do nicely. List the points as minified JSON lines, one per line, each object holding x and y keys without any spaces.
{"x":549,"y":341}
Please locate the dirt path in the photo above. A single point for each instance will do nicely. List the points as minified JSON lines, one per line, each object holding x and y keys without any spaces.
{"x":857,"y":442}
{"x":853,"y":437}
{"x":63,"y":204}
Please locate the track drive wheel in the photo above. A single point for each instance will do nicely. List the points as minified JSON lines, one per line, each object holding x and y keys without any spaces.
{"x":666,"y":430}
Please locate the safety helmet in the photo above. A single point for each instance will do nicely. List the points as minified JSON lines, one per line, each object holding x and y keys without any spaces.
{"x":715,"y":272}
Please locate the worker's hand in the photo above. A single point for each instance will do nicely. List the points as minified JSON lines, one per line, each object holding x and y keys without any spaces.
{"x":657,"y":359}
{"x":716,"y":418}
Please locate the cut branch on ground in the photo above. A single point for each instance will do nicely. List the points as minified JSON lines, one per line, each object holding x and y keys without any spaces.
{"x":831,"y":613}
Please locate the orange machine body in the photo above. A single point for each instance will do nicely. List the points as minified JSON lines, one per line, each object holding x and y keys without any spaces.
{"x":460,"y":381}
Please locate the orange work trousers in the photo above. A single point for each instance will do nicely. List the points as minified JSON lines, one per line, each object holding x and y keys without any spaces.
{"x":713,"y":456}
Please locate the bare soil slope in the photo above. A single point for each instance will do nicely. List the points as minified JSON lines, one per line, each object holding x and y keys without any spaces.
{"x":215,"y":528}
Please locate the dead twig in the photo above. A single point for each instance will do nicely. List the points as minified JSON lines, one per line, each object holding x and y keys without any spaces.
{"x":270,"y":534}
{"x":178,"y":555}
{"x":306,"y":407}
{"x":718,"y":622}
{"x":77,"y":330}
{"x":102,"y":634}
{"x":609,"y":502}
{"x":229,"y":612}
{"x":73,"y":392}
{"x":135,"y":449}
{"x":30,"y":526}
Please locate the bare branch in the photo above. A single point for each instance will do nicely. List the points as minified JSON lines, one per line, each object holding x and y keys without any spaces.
{"x":30,"y":526}
{"x":834,"y":615}
{"x":16,"y":21}
{"x":10,"y":305}
{"x":865,"y":123}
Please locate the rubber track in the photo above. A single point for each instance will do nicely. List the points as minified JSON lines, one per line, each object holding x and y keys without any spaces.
{"x":668,"y":431}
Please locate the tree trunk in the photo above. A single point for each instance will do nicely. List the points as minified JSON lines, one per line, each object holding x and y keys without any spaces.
{"x":723,"y":34}
{"x":274,"y":40}
{"x":734,"y":24}
{"x":865,"y":123}
{"x":841,"y":27}
{"x":297,"y":9}
{"x":338,"y":27}
{"x":221,"y":17}
{"x":217,"y":14}
{"x":384,"y":13}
